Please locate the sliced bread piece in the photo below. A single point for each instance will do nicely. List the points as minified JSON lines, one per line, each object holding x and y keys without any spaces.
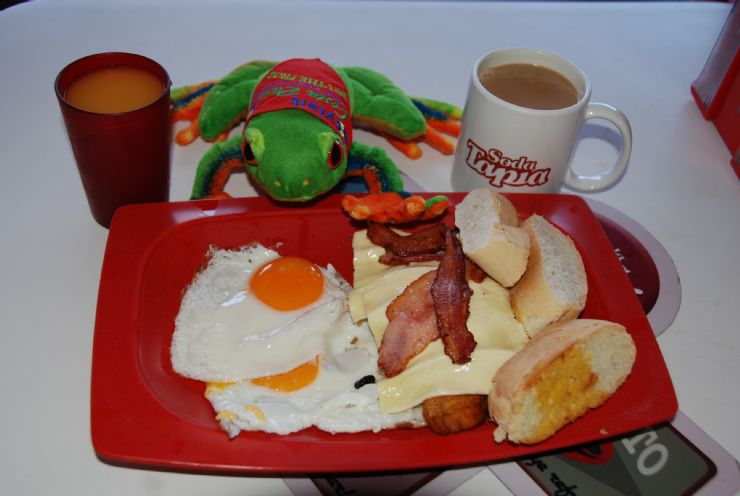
{"x":565,"y":370}
{"x":554,"y":287}
{"x":490,"y":235}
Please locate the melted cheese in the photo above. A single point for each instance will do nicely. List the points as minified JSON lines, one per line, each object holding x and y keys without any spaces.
{"x":369,"y":302}
{"x":365,"y":260}
{"x":431,"y":373}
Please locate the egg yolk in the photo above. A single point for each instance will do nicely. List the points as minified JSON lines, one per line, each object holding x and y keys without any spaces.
{"x":293,"y":380}
{"x":287,"y":283}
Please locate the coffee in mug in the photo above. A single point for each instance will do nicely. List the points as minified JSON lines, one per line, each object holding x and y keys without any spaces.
{"x":521,"y":121}
{"x":530,"y":85}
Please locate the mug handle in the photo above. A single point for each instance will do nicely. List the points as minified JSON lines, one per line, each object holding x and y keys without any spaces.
{"x":602,"y":181}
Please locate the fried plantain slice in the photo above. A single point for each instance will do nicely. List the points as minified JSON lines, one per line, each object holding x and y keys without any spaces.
{"x":455,"y":413}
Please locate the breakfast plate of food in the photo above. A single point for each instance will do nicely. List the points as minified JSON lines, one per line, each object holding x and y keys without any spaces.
{"x":235,"y":335}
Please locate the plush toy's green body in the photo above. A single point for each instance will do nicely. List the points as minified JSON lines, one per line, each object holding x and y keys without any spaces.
{"x":292,"y":154}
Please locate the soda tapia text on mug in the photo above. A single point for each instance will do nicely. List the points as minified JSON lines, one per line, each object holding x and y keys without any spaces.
{"x":501,"y":170}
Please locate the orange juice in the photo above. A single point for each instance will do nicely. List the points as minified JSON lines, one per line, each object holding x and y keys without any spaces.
{"x":112,"y":90}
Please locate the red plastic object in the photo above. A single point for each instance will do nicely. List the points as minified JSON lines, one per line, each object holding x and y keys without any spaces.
{"x":143,"y":414}
{"x":123,"y":157}
{"x":717,"y":89}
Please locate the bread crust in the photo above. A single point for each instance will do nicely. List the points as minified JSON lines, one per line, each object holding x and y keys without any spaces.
{"x":491,"y":236}
{"x":554,"y":286}
{"x":510,"y":400}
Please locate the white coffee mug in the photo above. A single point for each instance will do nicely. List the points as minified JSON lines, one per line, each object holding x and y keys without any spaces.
{"x":513,"y":148}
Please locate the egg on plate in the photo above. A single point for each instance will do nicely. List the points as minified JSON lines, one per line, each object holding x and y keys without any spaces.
{"x":273,"y":339}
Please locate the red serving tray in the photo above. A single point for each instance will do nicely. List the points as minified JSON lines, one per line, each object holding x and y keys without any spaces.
{"x":143,"y":414}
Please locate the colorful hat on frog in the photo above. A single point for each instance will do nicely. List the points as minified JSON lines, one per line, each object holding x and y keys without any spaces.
{"x":310,"y":85}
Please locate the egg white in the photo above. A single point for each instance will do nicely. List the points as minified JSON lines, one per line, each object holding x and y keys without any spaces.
{"x":332,"y":402}
{"x":225,"y":336}
{"x":223,"y":333}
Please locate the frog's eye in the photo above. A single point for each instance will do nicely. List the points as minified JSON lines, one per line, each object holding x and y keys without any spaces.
{"x":336,"y":155}
{"x":247,"y":153}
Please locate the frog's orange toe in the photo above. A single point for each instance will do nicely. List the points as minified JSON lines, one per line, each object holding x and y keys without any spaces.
{"x":390,"y":208}
{"x":435,"y":209}
{"x":187,"y":135}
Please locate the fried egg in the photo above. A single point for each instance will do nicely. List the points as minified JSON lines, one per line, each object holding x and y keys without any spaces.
{"x":273,"y":339}
{"x":335,"y":392}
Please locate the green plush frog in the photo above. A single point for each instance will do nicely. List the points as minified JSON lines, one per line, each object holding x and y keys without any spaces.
{"x":299,"y":117}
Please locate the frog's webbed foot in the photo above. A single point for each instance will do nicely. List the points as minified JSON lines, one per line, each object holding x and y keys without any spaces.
{"x":214,"y":108}
{"x":383,"y":108}
{"x":393,"y":208}
{"x":387,"y":202}
{"x":215,"y":168}
{"x":186,"y":103}
{"x":375,"y":166}
{"x":442,"y":120}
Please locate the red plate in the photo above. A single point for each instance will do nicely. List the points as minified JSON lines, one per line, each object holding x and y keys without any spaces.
{"x":143,"y":414}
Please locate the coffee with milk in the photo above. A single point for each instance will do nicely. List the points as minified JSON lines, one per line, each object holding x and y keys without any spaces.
{"x":529,"y":85}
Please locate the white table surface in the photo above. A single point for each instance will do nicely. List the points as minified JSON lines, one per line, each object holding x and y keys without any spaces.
{"x":641,"y":58}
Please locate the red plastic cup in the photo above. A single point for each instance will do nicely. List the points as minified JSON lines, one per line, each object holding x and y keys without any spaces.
{"x":122,"y":157}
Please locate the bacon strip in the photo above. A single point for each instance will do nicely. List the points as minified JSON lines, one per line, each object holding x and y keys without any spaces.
{"x":433,"y":306}
{"x":451,"y":295}
{"x":389,"y":258}
{"x":412,"y":325}
{"x":422,"y":246}
{"x":429,"y":240}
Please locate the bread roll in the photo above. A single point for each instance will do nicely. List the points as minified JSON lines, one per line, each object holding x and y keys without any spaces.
{"x":565,"y":370}
{"x":554,"y":286}
{"x":490,"y":236}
